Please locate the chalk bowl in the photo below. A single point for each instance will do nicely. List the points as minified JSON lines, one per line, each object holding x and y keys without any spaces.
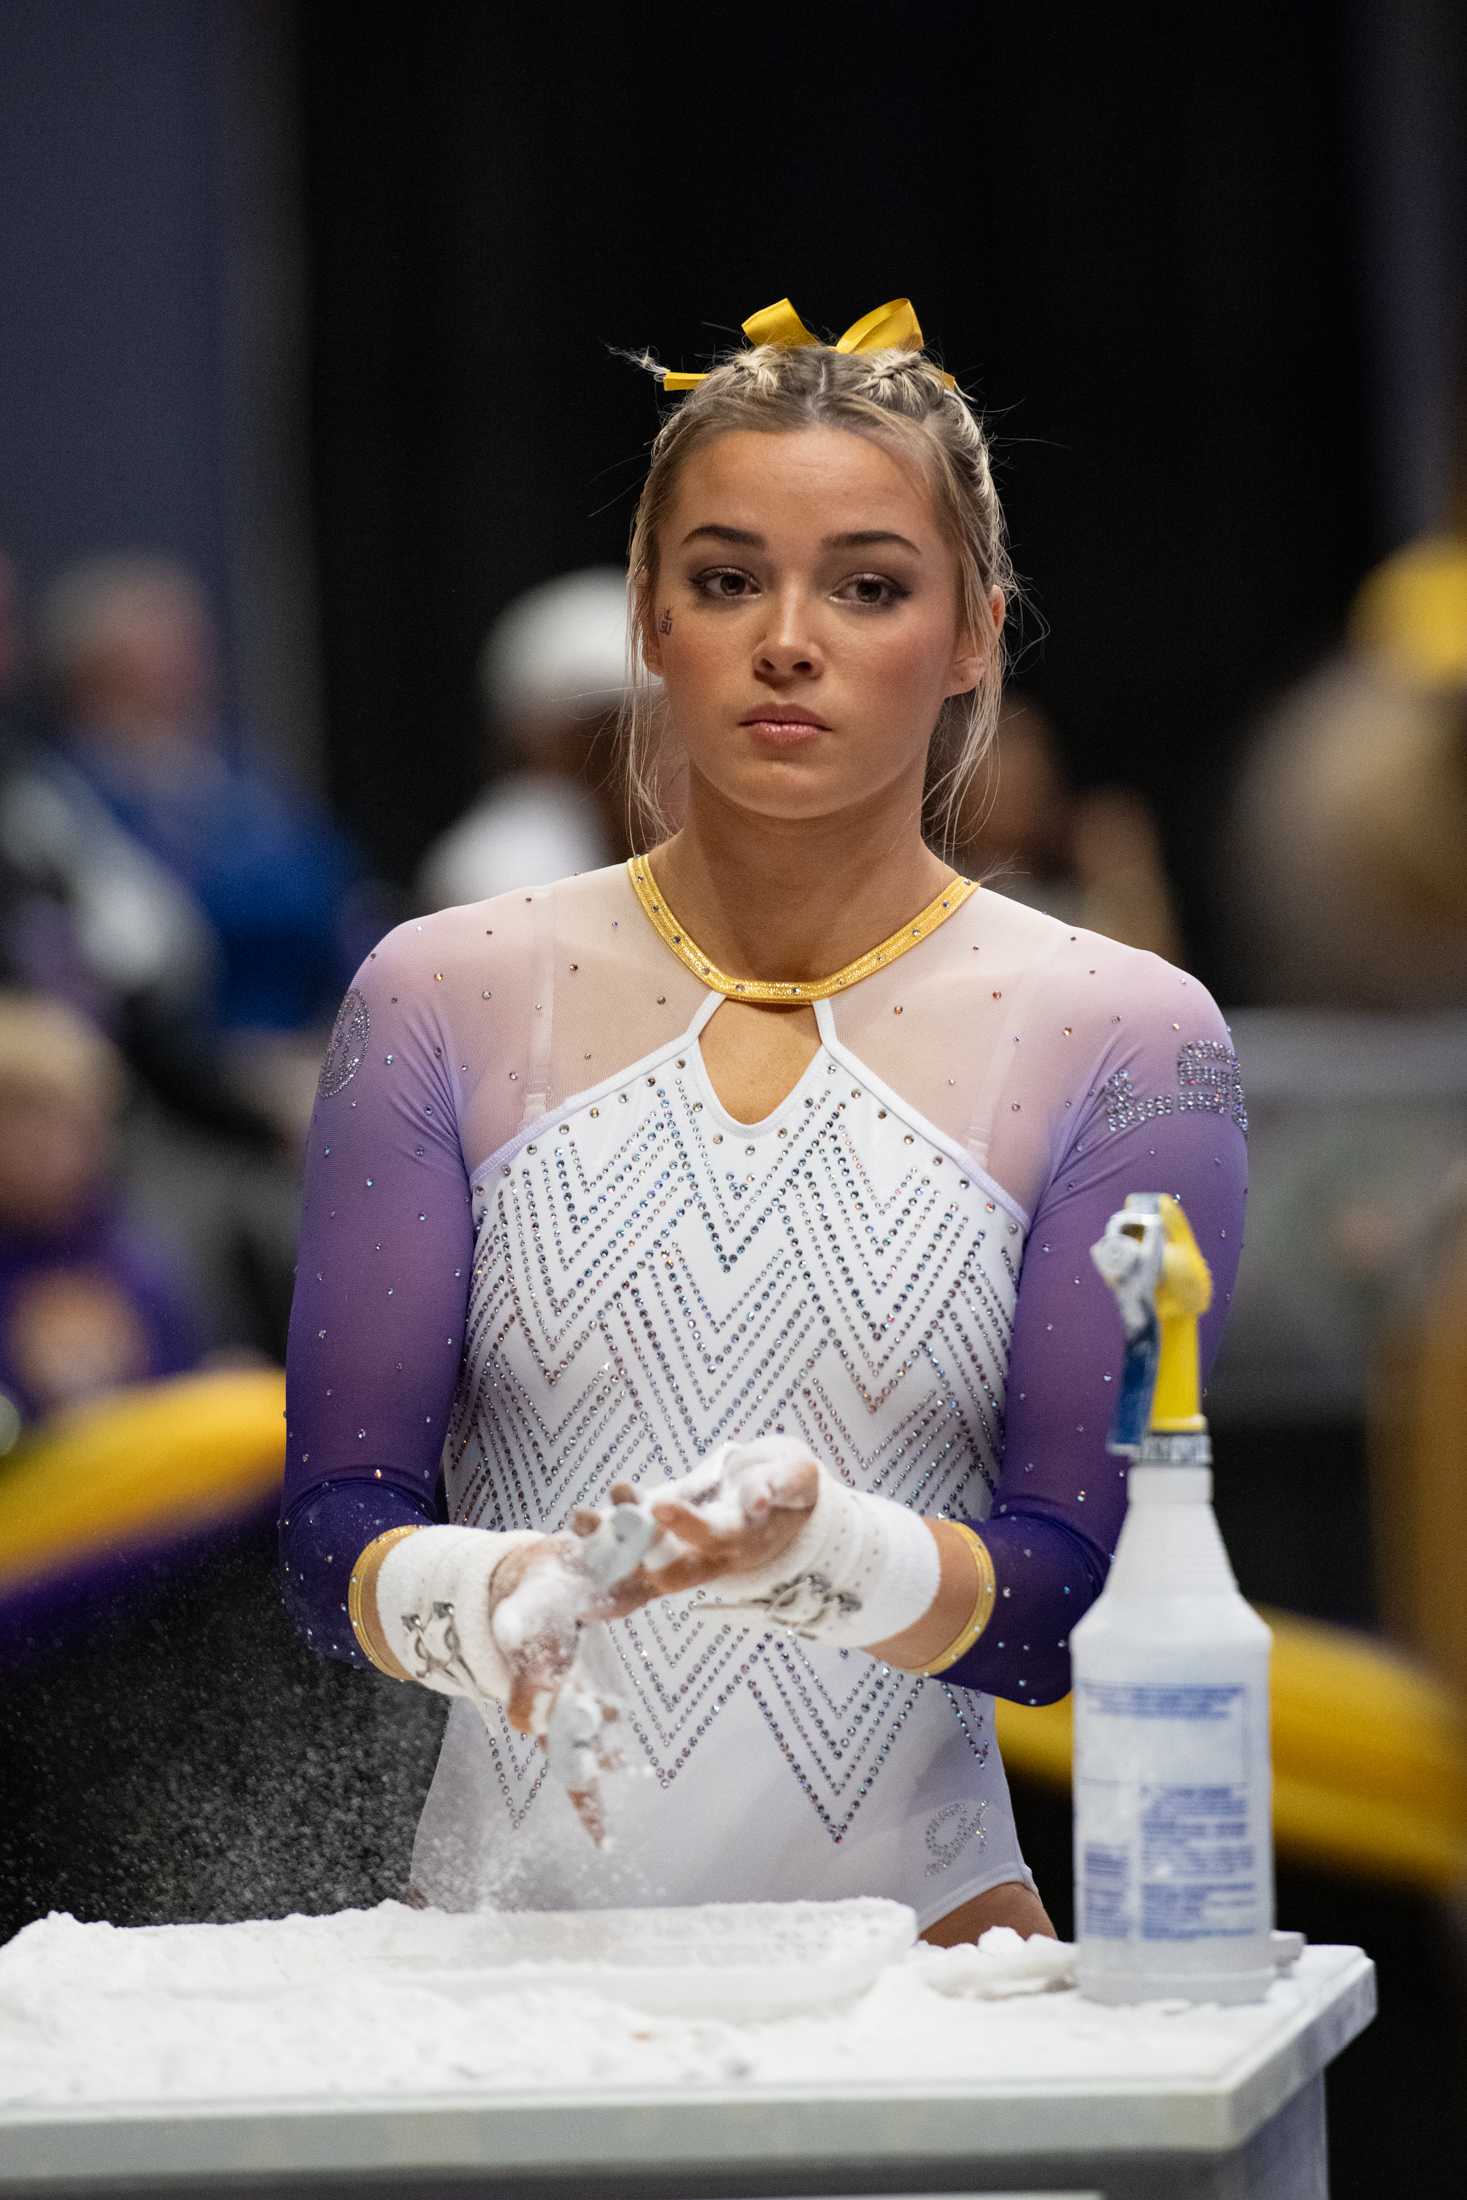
{"x":731,"y":1960}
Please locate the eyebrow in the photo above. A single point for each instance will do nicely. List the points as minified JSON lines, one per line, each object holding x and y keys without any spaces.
{"x":860,"y":538}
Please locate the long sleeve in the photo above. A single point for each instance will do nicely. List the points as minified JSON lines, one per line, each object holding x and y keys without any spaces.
{"x":1161,"y":1109}
{"x":382,"y":1285}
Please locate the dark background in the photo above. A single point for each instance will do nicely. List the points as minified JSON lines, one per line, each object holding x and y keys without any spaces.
{"x":1137,"y":238}
{"x":324,"y":299}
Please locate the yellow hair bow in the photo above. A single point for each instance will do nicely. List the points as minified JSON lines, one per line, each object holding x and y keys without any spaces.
{"x":892,"y":327}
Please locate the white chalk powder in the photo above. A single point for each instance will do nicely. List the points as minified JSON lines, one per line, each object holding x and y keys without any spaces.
{"x":547,"y":1604}
{"x":362,"y":2004}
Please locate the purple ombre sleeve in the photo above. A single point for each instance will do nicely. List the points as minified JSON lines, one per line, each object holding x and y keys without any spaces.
{"x":1162,"y":1111}
{"x":382,"y":1284}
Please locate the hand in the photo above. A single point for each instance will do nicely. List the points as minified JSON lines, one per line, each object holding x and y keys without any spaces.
{"x":538,"y":1596}
{"x":575,"y":1741}
{"x":736,"y":1513}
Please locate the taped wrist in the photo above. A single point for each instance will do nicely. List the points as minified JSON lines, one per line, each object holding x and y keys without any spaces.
{"x":861,"y":1570}
{"x":433,"y":1609}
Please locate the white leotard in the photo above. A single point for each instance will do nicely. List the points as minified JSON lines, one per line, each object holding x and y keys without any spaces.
{"x":650,"y":1277}
{"x":539,"y":1256}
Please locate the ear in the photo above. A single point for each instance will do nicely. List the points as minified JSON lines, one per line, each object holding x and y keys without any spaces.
{"x":973,"y":650}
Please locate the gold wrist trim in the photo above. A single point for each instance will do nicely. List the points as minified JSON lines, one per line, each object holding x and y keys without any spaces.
{"x":983,"y":1604}
{"x":363,"y":1576}
{"x":944,"y":903}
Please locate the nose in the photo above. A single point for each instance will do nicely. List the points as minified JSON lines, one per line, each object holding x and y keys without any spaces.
{"x":787,"y":648}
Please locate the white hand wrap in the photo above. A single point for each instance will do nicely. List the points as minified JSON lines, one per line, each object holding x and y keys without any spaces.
{"x":433,"y":1609}
{"x":861,"y":1570}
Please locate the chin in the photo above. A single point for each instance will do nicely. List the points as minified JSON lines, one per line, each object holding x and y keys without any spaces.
{"x":781,"y":791}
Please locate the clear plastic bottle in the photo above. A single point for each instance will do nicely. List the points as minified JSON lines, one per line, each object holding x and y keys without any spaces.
{"x":1172,"y":1776}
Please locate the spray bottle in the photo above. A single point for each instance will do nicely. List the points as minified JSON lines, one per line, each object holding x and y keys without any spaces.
{"x":1173,"y":1841}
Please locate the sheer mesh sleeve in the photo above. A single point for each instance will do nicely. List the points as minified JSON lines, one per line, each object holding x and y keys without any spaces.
{"x":382,"y":1284}
{"x":1162,"y":1110}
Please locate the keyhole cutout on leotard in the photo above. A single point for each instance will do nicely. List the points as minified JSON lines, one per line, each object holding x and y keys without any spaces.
{"x":755,"y":1053}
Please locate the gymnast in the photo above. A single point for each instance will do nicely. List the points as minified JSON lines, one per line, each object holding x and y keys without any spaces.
{"x":749,"y":1184}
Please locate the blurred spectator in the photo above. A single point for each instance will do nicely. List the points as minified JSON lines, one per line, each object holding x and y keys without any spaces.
{"x":87,"y":1302}
{"x":551,"y":677}
{"x":84,"y":912}
{"x":1343,"y":899}
{"x":129,"y":654}
{"x":1092,"y":859}
{"x":90,"y":917}
{"x":1346,"y":831}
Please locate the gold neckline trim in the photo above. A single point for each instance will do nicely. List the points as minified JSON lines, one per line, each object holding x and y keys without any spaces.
{"x":944,"y":903}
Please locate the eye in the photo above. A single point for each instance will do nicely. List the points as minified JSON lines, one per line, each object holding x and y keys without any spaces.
{"x":723,"y":584}
{"x":873,"y":591}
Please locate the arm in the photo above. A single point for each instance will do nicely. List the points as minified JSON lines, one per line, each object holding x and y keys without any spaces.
{"x":1006,"y":1591}
{"x":382,"y":1282}
{"x":1061,"y":1497}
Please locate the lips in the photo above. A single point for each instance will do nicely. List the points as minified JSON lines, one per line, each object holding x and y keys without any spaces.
{"x":774,"y":716}
{"x":782,"y":736}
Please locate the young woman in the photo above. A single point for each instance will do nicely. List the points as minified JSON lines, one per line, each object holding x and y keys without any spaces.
{"x":766,"y":1166}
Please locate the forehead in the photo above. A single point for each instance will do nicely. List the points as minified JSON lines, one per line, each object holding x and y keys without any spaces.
{"x":800,"y":482}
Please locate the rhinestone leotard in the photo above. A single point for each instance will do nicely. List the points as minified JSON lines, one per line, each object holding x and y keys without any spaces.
{"x":538,"y":1255}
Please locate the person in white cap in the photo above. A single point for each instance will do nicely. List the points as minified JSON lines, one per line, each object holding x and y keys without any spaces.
{"x":551,"y":677}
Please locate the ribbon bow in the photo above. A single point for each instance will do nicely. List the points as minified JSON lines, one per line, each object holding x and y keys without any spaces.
{"x":892,"y":327}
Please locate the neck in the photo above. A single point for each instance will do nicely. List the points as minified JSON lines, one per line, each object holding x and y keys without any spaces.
{"x":794,"y":898}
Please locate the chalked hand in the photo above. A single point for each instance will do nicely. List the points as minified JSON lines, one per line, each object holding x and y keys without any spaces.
{"x":744,"y":1506}
{"x":540,"y":1594}
{"x":496,"y":1617}
{"x":738,"y":1511}
{"x":785,"y":1542}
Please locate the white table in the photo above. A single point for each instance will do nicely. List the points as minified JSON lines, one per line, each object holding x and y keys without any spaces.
{"x":1251,"y":2126}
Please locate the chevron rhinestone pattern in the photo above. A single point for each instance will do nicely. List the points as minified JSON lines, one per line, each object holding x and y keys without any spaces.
{"x":652,"y":1277}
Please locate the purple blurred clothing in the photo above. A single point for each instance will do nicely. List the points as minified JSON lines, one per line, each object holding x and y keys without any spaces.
{"x":271,"y":876}
{"x":1047,"y":1068}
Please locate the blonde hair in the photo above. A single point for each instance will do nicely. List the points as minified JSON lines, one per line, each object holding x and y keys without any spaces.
{"x":899,"y":399}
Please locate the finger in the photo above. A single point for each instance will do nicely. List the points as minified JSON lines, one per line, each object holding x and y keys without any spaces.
{"x":729,"y":1547}
{"x":588,"y":1809}
{"x":520,"y":1710}
{"x":798,"y":1491}
{"x":689,"y":1527}
{"x":509,"y":1573}
{"x":655,"y":1575}
{"x":689,"y":1571}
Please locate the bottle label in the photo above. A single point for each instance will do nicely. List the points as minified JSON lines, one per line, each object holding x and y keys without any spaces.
{"x":1167,"y":1849}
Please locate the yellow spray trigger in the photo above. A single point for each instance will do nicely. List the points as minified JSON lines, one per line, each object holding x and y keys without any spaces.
{"x":1183,"y":1292}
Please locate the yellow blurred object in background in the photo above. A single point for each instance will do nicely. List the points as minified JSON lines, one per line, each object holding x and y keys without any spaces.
{"x":141,"y":1467}
{"x":1412,"y":610}
{"x":1369,"y":1757}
